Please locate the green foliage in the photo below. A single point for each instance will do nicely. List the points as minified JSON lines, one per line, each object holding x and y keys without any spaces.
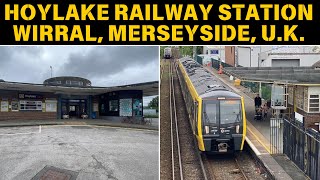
{"x":266,"y":91}
{"x":184,"y":50}
{"x":154,"y":103}
{"x":151,"y":116}
{"x":254,"y":87}
{"x":188,"y":50}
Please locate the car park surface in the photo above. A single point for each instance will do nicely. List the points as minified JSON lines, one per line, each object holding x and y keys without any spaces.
{"x":91,"y":152}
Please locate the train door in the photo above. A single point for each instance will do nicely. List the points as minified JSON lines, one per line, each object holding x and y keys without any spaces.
{"x":195,"y":121}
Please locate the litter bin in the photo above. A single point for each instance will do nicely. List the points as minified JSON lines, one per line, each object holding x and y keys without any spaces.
{"x":94,"y":115}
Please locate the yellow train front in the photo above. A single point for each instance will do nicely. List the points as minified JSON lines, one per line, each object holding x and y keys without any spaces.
{"x":217,"y":115}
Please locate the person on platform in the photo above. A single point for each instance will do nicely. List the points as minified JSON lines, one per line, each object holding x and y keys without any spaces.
{"x":265,"y":111}
{"x":257,"y":101}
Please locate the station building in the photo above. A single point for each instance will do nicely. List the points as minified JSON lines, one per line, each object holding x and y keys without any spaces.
{"x":264,"y":56}
{"x":71,"y":97}
{"x":301,"y":84}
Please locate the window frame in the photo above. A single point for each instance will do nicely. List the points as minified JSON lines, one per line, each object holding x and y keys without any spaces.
{"x":309,"y":103}
{"x":117,"y":106}
{"x":23,"y":105}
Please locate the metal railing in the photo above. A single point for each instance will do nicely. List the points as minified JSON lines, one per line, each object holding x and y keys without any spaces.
{"x":302,"y":146}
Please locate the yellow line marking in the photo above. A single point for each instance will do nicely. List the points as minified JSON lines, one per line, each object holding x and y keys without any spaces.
{"x":268,"y":149}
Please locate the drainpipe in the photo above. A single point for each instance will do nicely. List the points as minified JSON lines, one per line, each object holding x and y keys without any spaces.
{"x":294,"y":99}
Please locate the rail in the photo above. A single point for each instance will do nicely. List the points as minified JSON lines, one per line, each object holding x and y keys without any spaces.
{"x":241,"y":170}
{"x":174,"y":122}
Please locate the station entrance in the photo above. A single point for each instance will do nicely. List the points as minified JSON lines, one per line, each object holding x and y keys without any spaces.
{"x":74,"y":108}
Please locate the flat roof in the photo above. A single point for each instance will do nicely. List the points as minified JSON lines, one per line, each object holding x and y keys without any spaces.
{"x":303,"y":76}
{"x":148,"y":88}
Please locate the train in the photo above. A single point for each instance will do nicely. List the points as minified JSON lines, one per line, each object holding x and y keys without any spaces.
{"x":167,"y":53}
{"x":217,"y":115}
{"x":172,"y":53}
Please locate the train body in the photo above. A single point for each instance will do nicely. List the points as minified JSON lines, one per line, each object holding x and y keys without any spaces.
{"x":217,"y":115}
{"x":167,"y":53}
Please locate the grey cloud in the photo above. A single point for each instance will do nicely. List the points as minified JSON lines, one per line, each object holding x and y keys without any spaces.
{"x":104,"y":65}
{"x":106,"y":61}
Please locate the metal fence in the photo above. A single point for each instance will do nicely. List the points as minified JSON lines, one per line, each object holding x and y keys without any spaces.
{"x":302,"y":146}
{"x":276,"y":135}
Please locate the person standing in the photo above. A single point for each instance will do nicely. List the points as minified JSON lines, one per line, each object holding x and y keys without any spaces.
{"x":257,"y":101}
{"x":265,"y":111}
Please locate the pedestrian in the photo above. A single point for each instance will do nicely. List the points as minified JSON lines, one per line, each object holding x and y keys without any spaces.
{"x":257,"y":101}
{"x":265,"y":111}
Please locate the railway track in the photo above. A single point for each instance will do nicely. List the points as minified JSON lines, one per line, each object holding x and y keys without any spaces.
{"x":186,"y":161}
{"x":175,"y":143}
{"x":225,"y":167}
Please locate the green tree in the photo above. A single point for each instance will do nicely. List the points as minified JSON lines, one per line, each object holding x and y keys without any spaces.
{"x":154,"y":103}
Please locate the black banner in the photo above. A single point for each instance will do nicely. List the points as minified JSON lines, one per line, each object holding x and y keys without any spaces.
{"x":123,"y":22}
{"x":30,"y":96}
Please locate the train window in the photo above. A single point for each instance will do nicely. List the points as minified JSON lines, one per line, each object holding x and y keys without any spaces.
{"x":210,"y":113}
{"x":231,"y":111}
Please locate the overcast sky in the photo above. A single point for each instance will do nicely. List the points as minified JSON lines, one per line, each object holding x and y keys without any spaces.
{"x":104,"y":66}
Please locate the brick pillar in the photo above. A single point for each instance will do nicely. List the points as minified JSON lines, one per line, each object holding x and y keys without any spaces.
{"x":230,"y":55}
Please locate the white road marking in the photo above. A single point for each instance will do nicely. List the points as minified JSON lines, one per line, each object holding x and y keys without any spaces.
{"x":9,"y":134}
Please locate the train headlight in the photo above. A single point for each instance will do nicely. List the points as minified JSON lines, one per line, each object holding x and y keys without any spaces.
{"x":207,"y":129}
{"x":237,"y":129}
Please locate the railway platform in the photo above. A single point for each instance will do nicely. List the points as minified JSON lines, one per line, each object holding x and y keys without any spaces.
{"x":258,"y":138}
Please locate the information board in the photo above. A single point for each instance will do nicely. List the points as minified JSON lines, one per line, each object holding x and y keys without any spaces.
{"x":4,"y":106}
{"x":125,"y":107}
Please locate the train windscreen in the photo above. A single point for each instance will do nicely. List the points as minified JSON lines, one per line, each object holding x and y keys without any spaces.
{"x":210,"y":113}
{"x":230,"y":111}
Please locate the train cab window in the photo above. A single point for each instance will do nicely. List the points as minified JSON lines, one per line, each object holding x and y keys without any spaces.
{"x":210,"y":113}
{"x":231,"y":111}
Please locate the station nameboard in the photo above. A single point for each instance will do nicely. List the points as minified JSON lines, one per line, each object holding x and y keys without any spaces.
{"x":30,"y":96}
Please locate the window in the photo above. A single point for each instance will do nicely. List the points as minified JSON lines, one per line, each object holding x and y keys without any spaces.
{"x":68,"y":82}
{"x":4,"y":106}
{"x":113,"y":105}
{"x":75,"y":83}
{"x":31,"y":105}
{"x":230,"y":111}
{"x":51,"y":106}
{"x":14,"y":106}
{"x":58,"y":82}
{"x":314,"y":103}
{"x":80,"y":83}
{"x":210,"y":113}
{"x":72,"y":108}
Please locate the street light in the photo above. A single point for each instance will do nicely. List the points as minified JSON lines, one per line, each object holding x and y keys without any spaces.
{"x":51,"y":71}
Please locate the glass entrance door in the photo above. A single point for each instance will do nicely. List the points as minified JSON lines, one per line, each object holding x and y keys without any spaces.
{"x":74,"y":108}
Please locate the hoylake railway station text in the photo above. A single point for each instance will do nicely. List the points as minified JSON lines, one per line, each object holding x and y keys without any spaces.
{"x":118,"y":27}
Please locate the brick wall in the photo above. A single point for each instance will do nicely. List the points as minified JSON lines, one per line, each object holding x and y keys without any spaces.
{"x":309,"y":118}
{"x":27,"y":115}
{"x":230,"y":55}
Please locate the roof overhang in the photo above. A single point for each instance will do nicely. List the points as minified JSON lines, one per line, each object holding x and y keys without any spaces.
{"x":148,"y":88}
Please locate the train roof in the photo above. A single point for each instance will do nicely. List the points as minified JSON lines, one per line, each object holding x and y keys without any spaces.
{"x":206,"y":84}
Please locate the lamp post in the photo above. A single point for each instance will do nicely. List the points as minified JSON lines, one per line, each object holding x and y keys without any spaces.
{"x":51,"y":71}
